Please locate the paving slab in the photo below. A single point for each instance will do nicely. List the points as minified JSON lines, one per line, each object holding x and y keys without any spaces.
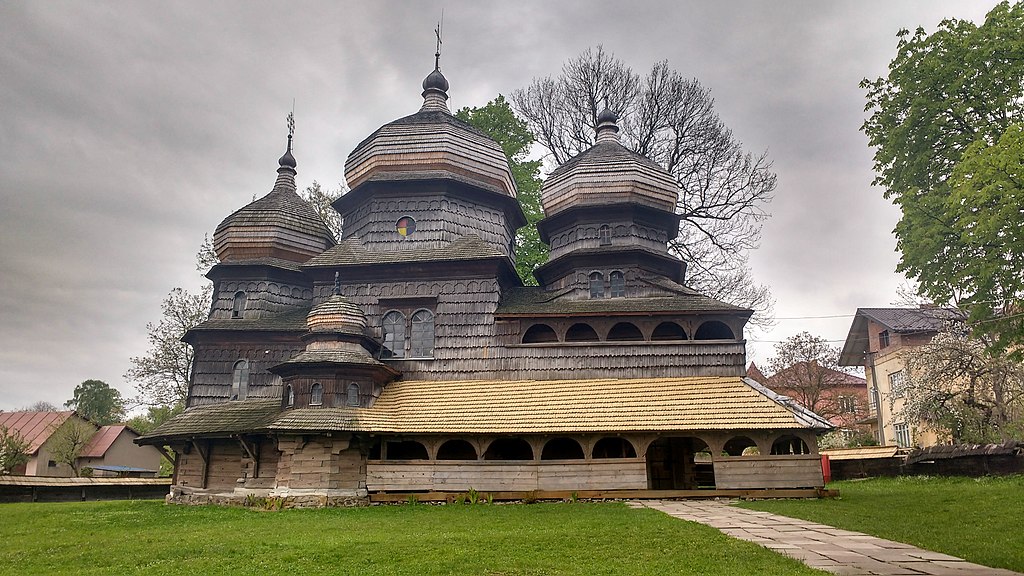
{"x":819,"y":546}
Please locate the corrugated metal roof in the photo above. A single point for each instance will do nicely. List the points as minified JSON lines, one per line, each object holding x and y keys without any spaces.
{"x":102,"y":440}
{"x":34,"y":427}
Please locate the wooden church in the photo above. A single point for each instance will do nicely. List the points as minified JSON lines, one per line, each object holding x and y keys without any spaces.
{"x":408,"y":357}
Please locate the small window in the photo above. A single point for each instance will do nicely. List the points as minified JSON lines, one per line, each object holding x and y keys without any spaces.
{"x":897,"y":383}
{"x":352,"y":397}
{"x":405,"y":226}
{"x":604,"y":235}
{"x":597,"y":285}
{"x":848,"y":404}
{"x":902,"y":435}
{"x":238,"y":306}
{"x":289,"y":394}
{"x":617,"y":286}
{"x":316,"y":394}
{"x":883,"y":339}
{"x":240,"y":380}
{"x":393,"y":325}
{"x":421,"y":341}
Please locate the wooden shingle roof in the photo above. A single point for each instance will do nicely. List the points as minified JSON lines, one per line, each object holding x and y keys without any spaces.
{"x":532,"y":300}
{"x":351,"y":253}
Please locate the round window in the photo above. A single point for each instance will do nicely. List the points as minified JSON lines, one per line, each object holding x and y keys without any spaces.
{"x":405,"y":226}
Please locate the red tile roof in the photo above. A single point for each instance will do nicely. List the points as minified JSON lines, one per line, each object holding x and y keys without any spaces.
{"x":34,"y":427}
{"x":102,"y":440}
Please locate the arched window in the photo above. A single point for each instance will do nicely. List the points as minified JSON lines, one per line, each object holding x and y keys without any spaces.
{"x":713,"y":330}
{"x":540,"y":333}
{"x":668,"y":331}
{"x":456,"y":450}
{"x":238,"y":306}
{"x":421,"y":341}
{"x":316,"y":394}
{"x":614,"y":447}
{"x":352,"y":397}
{"x":240,"y":380}
{"x":509,"y":449}
{"x":789,"y":444}
{"x":604,"y":235}
{"x":289,"y":394}
{"x":581,"y":333}
{"x":596,"y":285}
{"x":561,"y":449}
{"x":393,"y":325}
{"x":617,"y":285}
{"x":740,"y":446}
{"x":625,"y":331}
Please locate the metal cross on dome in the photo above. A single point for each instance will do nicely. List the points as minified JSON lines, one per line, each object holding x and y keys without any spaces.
{"x":291,"y":123}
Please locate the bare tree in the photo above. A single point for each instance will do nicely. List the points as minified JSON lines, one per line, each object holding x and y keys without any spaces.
{"x":162,"y":375}
{"x":960,"y":385}
{"x":806,"y":368}
{"x":67,"y":442}
{"x":13,"y":451}
{"x":41,"y":406}
{"x":671,"y":120}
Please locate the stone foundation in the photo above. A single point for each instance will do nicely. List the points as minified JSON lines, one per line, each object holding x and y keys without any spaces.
{"x":269,"y":499}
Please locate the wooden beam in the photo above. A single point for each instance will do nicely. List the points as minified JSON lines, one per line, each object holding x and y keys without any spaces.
{"x":164,"y":452}
{"x":612,"y":495}
{"x":254,"y":453}
{"x":204,"y":454}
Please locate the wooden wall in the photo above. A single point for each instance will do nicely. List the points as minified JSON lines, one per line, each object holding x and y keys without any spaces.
{"x":604,"y":474}
{"x":741,"y":472}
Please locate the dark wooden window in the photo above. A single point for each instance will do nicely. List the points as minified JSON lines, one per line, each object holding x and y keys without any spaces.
{"x":509,"y":449}
{"x":614,"y":447}
{"x":540,"y":333}
{"x":713,"y":330}
{"x":238,"y":305}
{"x":604,"y":234}
{"x":668,"y":331}
{"x":596,"y":285}
{"x":581,"y":333}
{"x":240,"y":380}
{"x":883,"y":339}
{"x":316,"y":394}
{"x":421,"y":340}
{"x":789,"y":444}
{"x":456,"y":450}
{"x":352,"y":397}
{"x":617,"y":285}
{"x":625,"y":332}
{"x":561,"y":449}
{"x":393,"y":325}
{"x":289,"y":394}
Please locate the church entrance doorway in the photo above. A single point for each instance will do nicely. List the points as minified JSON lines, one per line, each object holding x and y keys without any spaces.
{"x":679,"y":463}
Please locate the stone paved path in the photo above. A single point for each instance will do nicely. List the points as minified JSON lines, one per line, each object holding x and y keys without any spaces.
{"x":819,"y":546}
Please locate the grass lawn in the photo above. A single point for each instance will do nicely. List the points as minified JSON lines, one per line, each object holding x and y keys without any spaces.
{"x":149,"y":537}
{"x":976,"y":519}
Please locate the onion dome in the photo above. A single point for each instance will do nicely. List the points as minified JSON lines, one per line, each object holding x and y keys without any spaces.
{"x":431,"y":144}
{"x":608,"y":173}
{"x":336,"y":315}
{"x":278,"y":225}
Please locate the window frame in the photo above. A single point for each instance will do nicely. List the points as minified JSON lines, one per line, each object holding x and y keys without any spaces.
{"x":417,"y":341}
{"x":316,"y":394}
{"x":239,"y":380}
{"x":898,"y":383}
{"x":596,"y":285}
{"x":617,"y":284}
{"x":238,"y":303}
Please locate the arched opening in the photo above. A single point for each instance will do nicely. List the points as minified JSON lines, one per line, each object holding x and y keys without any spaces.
{"x":316,"y":394}
{"x":614,"y":447}
{"x":713,"y":330}
{"x":456,"y":449}
{"x":581,"y":332}
{"x":240,"y":380}
{"x":617,"y":285}
{"x":740,"y":446}
{"x":404,"y":450}
{"x":562,"y":449}
{"x":625,"y":332}
{"x":393,"y":328}
{"x":421,"y":341}
{"x":289,"y":395}
{"x":596,"y":285}
{"x":539,"y":333}
{"x":352,"y":395}
{"x":668,"y":331}
{"x":675,"y":463}
{"x":509,"y":449}
{"x":789,"y":444}
{"x":238,"y":305}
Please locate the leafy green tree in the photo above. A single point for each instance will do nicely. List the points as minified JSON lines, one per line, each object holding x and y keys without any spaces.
{"x":671,"y":120}
{"x":946,"y":127}
{"x":154,"y":416}
{"x":95,"y":400}
{"x":13,"y":451}
{"x":497,"y":120}
{"x":321,"y":199}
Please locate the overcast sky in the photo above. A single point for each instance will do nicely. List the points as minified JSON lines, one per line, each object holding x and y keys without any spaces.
{"x":128,"y":130}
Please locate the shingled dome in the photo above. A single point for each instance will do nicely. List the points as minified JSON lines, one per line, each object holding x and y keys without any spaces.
{"x":430,"y":144}
{"x":336,"y":315}
{"x":278,"y":225}
{"x":608,"y":173}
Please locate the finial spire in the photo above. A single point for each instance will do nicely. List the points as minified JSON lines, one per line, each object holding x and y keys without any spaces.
{"x":287,"y":162}
{"x":337,"y":284}
{"x":437,"y":32}
{"x":435,"y":85}
{"x":607,"y":124}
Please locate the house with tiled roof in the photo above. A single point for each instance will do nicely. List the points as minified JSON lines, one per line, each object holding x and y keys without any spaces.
{"x":878,"y":340}
{"x":839,"y":396}
{"x":110,"y":451}
{"x":407,"y":356}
